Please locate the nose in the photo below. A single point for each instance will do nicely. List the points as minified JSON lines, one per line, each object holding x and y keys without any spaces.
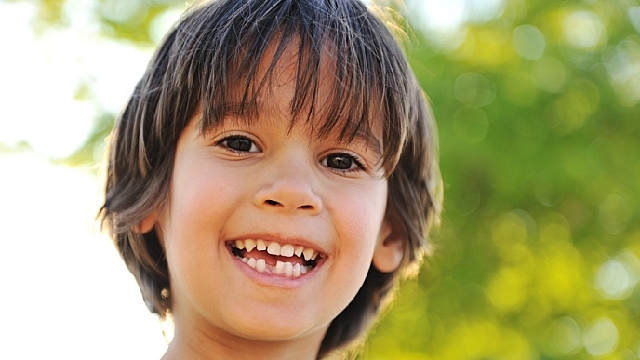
{"x":288,"y":188}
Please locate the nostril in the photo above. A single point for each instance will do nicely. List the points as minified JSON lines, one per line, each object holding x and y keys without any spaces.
{"x":273,"y":203}
{"x":306,"y":207}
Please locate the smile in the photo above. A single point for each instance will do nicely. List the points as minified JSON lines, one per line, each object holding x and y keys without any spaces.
{"x":274,"y":258}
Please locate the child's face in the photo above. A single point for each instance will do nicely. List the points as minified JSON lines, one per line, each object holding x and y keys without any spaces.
{"x":241,"y":185}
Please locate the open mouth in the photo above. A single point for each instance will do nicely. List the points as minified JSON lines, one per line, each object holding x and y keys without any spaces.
{"x":274,"y":258}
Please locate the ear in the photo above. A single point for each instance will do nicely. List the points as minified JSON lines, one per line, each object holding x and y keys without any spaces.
{"x":146,"y":224}
{"x":391,"y":243}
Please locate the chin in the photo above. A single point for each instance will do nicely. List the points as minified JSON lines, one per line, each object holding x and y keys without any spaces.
{"x":283,"y":328}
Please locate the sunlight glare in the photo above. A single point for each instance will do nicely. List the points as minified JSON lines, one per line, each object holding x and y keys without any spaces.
{"x":41,"y":83}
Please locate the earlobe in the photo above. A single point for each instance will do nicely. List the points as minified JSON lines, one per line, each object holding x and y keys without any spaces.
{"x":391,"y":245}
{"x":146,"y":224}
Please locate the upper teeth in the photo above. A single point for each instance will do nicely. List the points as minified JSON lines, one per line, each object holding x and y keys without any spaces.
{"x":277,"y":249}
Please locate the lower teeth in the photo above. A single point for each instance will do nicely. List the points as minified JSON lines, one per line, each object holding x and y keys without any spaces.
{"x":285,"y":268}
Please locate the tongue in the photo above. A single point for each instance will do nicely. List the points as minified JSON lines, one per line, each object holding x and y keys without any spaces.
{"x":271,"y":259}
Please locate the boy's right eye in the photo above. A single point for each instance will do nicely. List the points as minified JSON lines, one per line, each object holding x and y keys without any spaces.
{"x":238,"y":143}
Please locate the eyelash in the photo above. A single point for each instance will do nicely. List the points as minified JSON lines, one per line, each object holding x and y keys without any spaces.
{"x":359,"y":164}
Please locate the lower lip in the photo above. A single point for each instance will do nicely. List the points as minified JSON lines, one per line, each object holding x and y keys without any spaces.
{"x":275,"y":280}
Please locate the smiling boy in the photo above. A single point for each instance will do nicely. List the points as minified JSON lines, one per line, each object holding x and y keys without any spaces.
{"x":272,"y":174}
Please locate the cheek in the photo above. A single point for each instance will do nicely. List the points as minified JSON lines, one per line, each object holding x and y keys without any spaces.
{"x":357,"y":219}
{"x":360,"y":217}
{"x":200,"y":189}
{"x":201,"y":199}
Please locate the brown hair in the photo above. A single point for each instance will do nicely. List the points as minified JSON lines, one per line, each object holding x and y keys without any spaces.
{"x":218,"y":47}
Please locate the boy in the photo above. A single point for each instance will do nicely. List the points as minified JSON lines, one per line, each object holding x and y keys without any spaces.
{"x":272,"y":174}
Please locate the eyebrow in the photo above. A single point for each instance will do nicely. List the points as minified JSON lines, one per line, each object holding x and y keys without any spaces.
{"x":370,"y":141}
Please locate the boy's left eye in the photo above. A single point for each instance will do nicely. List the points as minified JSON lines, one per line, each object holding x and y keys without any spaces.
{"x":341,"y":161}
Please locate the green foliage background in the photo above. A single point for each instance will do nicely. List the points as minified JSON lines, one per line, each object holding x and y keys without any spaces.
{"x":538,"y":111}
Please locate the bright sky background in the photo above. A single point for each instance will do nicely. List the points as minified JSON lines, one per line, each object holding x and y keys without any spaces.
{"x":64,"y":289}
{"x":41,"y":74}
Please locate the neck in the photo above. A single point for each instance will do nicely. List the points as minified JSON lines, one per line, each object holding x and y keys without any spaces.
{"x":191,"y":343}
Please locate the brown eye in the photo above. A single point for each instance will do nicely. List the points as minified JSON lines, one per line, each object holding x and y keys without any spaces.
{"x":340,"y":161}
{"x":239,"y":144}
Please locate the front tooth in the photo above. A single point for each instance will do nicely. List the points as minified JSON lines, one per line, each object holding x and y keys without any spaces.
{"x":308,"y":253}
{"x":252,"y":262}
{"x":279,"y":267}
{"x":288,"y":269}
{"x":260,"y":245}
{"x":250,"y":244}
{"x":239,"y":244}
{"x":287,"y":251}
{"x":298,"y":251}
{"x":261,"y":265}
{"x":274,"y":248}
{"x":296,"y":270}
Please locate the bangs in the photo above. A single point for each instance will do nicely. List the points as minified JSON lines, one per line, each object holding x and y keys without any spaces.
{"x":325,"y":96}
{"x":347,"y":77}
